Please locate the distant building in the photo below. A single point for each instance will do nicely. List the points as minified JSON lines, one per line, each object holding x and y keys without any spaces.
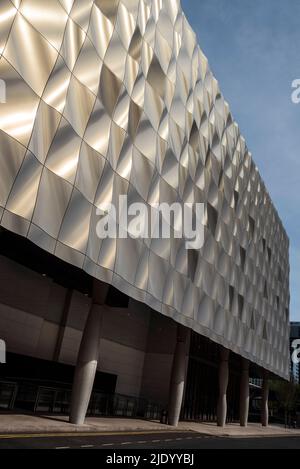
{"x":295,"y":367}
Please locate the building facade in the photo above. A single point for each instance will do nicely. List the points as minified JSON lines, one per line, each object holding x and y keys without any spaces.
{"x":125,"y":104}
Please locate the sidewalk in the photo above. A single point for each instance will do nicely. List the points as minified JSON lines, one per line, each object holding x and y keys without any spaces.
{"x":234,"y":430}
{"x":22,"y":423}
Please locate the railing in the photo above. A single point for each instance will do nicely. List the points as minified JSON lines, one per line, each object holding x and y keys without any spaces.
{"x":8,"y":393}
{"x":52,"y":400}
{"x":47,"y":399}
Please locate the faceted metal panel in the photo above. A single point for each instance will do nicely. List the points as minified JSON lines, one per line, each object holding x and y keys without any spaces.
{"x":109,"y":97}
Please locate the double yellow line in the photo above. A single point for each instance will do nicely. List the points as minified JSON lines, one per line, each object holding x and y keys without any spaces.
{"x":10,"y":436}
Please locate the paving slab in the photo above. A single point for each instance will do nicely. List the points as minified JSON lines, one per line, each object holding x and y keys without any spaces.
{"x":235,"y":430}
{"x":22,"y":423}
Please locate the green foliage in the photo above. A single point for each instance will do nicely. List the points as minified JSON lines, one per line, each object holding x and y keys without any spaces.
{"x":287,"y":394}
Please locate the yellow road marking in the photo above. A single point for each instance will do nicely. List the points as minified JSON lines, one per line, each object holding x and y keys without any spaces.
{"x":70,"y":434}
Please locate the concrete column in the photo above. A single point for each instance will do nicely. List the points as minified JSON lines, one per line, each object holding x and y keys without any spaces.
{"x":265,"y":400}
{"x":87,"y":360}
{"x":178,"y":375}
{"x":244,"y":393}
{"x":86,"y":366}
{"x":62,"y":326}
{"x":223,"y":384}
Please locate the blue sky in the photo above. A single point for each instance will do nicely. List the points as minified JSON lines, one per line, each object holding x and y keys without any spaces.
{"x":253,"y":47}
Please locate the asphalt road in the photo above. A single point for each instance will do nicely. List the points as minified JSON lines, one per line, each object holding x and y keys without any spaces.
{"x":148,"y":440}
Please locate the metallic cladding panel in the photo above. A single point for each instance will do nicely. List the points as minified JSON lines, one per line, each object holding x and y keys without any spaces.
{"x":109,"y":97}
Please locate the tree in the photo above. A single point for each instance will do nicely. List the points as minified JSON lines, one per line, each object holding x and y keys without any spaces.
{"x":288,"y":397}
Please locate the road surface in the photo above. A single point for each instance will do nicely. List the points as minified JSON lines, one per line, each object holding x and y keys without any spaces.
{"x":143,"y":440}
